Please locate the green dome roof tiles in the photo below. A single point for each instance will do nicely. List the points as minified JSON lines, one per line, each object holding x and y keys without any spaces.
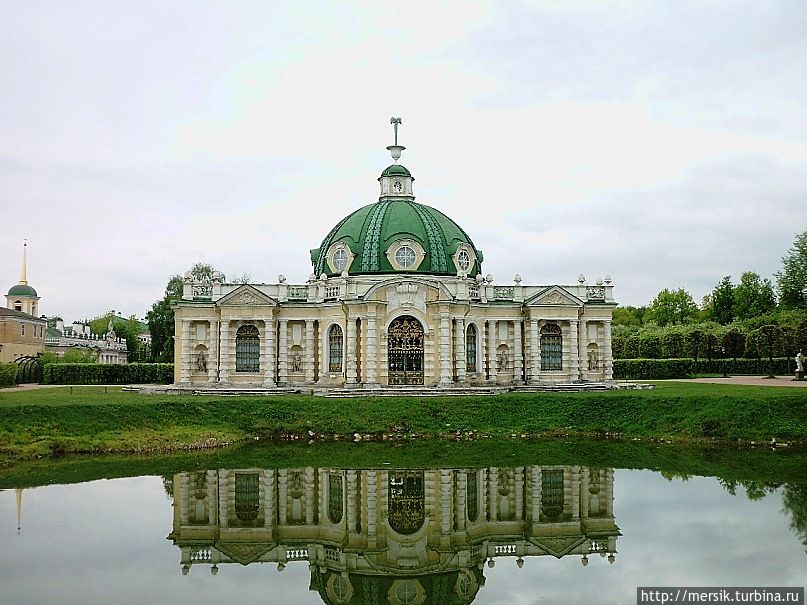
{"x":370,"y":231}
{"x":396,"y":170}
{"x":21,"y":290}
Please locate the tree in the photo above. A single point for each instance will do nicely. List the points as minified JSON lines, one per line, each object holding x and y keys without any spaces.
{"x":671,"y":306}
{"x":753,"y":296}
{"x":794,"y":499}
{"x":127,"y":328}
{"x":723,"y":301}
{"x":734,"y":344}
{"x":244,"y":278}
{"x":695,"y":339}
{"x":766,"y":338}
{"x":792,"y":279}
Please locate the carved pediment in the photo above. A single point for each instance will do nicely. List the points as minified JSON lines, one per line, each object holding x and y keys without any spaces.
{"x":246,"y":296}
{"x":244,"y":553}
{"x":554,"y":296}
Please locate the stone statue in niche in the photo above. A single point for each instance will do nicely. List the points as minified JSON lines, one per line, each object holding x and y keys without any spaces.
{"x":501,"y":361}
{"x":296,"y":363}
{"x":593,"y":361}
{"x":201,"y":361}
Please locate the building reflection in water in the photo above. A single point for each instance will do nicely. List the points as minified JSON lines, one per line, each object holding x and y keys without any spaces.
{"x":393,"y":536}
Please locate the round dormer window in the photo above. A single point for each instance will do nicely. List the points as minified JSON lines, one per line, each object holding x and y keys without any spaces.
{"x":339,"y":259}
{"x":464,"y":260}
{"x":405,"y":256}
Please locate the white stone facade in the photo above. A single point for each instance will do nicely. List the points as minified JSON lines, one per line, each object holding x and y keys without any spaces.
{"x":474,"y":331}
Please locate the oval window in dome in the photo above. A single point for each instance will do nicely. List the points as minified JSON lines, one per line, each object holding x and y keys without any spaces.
{"x":339,"y":259}
{"x":464,"y":260}
{"x":405,"y":256}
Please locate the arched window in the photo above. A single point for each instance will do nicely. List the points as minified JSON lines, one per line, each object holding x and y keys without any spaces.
{"x":551,"y":347}
{"x":470,"y":348}
{"x":247,"y":349}
{"x":335,"y":498}
{"x":247,"y":496}
{"x":472,"y":495}
{"x":335,"y":347}
{"x":17,"y":305}
{"x":552,"y":493}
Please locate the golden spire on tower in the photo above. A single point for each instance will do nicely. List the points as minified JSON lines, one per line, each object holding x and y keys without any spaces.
{"x":19,"y":510}
{"x":24,"y":275}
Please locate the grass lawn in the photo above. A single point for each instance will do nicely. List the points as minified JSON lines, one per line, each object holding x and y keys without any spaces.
{"x":54,"y":421}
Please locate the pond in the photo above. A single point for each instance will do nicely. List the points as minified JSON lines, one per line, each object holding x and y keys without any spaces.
{"x":526,"y":533}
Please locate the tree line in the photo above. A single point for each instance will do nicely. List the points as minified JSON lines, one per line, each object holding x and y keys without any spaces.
{"x":751,"y":317}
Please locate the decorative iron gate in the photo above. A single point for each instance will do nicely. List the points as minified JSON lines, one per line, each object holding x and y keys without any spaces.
{"x":405,"y":351}
{"x":406,"y":505}
{"x":29,"y":370}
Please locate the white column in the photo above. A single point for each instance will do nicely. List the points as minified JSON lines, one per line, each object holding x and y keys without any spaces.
{"x":309,"y":351}
{"x":535,"y":351}
{"x":536,"y":493}
{"x":575,"y":492}
{"x":268,"y":498}
{"x":461,"y":503}
{"x":608,"y":358}
{"x":493,"y":364}
{"x":351,"y":502}
{"x":519,"y":493}
{"x":282,"y":495}
{"x":518,"y":353}
{"x":582,"y":345}
{"x":493,"y":498}
{"x":187,"y":352}
{"x":574,"y":351}
{"x":459,"y":349}
{"x":309,"y":496}
{"x":372,"y":354}
{"x":224,"y":505}
{"x":283,"y":353}
{"x":372,"y":496}
{"x":445,"y":351}
{"x":224,"y":353}
{"x":269,"y":364}
{"x":350,"y":361}
{"x":445,"y":502}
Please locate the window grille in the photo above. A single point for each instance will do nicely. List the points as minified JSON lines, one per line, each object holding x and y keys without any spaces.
{"x":472,"y":496}
{"x":335,"y":348}
{"x":470,"y":349}
{"x":247,"y":349}
{"x":551,"y":347}
{"x":247,"y":496}
{"x":335,"y":498}
{"x":552,"y":493}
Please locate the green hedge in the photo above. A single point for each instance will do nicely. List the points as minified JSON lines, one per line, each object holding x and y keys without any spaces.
{"x":664,"y":369}
{"x":8,"y":374}
{"x":100,"y":373}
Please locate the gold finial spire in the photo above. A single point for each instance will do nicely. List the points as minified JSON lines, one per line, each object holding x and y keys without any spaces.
{"x":24,"y":275}
{"x":19,"y":510}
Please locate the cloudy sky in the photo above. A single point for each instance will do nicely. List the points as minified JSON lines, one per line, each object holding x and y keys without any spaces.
{"x":662,"y":143}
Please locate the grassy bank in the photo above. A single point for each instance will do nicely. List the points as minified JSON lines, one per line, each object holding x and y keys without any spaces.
{"x":88,"y":419}
{"x":765,"y":465}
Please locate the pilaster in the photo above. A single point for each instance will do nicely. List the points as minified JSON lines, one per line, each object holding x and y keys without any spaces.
{"x":309,"y":351}
{"x":535,"y":351}
{"x":493,"y":364}
{"x":213,"y":350}
{"x":582,"y":345}
{"x":187,"y":352}
{"x":608,"y":358}
{"x":445,"y":349}
{"x":224,"y":353}
{"x":459,"y":349}
{"x":574,"y":351}
{"x":269,"y":367}
{"x":283,"y":353}
{"x":350,"y":357}
{"x":518,"y":353}
{"x":372,"y":353}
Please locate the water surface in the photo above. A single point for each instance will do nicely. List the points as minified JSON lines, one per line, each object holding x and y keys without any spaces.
{"x":526,"y":534}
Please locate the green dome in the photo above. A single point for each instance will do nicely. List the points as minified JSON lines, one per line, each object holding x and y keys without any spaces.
{"x":396,"y":170}
{"x":21,"y":290}
{"x":371,"y":231}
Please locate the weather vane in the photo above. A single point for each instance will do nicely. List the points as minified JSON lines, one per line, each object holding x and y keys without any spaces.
{"x":395,"y":149}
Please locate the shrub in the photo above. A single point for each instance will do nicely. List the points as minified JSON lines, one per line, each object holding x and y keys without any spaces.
{"x":665,"y":369}
{"x":8,"y":374}
{"x":99,"y":373}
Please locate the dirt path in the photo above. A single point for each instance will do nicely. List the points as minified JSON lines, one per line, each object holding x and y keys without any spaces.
{"x":762,"y":381}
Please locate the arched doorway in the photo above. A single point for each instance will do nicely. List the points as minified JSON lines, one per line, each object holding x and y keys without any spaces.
{"x":405,"y":351}
{"x":29,"y":370}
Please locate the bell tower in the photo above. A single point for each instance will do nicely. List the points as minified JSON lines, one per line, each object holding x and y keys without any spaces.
{"x":23,"y":297}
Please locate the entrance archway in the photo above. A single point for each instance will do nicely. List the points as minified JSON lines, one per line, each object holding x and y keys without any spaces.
{"x":405,"y":351}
